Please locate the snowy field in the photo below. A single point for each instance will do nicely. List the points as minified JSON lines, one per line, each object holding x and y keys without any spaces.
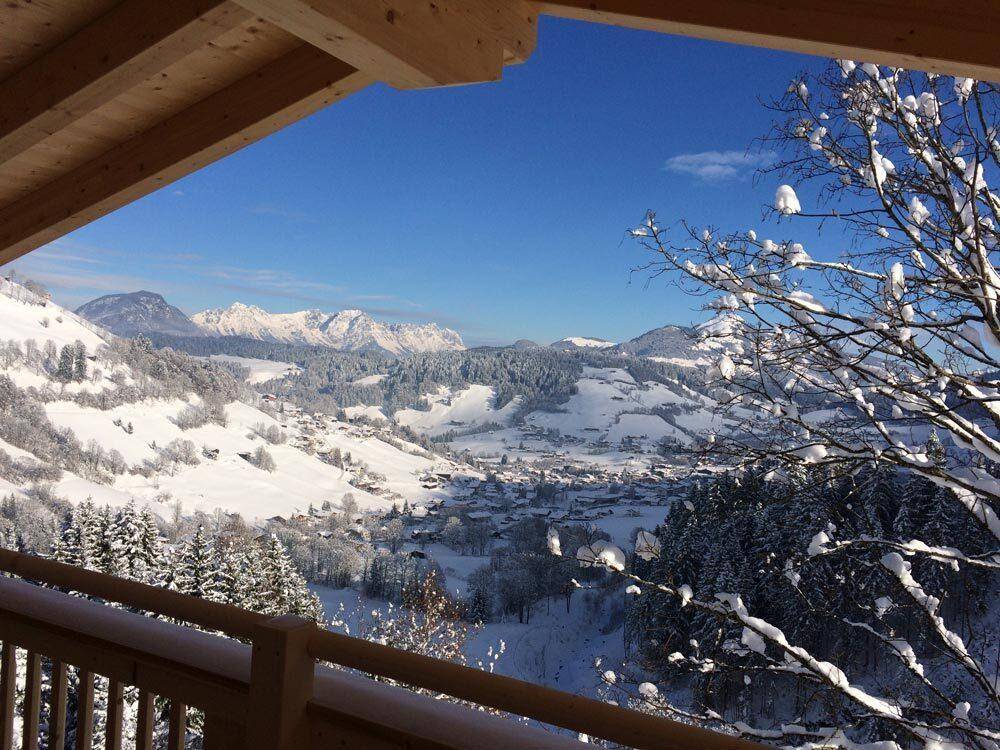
{"x":609,"y":408}
{"x":457,"y":410}
{"x":21,"y":321}
{"x":554,"y":648}
{"x":261,"y":370}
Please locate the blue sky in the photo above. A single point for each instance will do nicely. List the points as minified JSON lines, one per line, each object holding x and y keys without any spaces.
{"x":498,"y":210}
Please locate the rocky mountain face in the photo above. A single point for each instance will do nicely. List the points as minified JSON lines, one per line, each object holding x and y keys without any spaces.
{"x":349,"y":330}
{"x":689,"y":347}
{"x":667,"y":341}
{"x":136,"y":313}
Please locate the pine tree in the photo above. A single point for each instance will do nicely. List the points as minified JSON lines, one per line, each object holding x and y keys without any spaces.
{"x":918,"y":500}
{"x":79,"y":362}
{"x":194,"y":569}
{"x":85,"y":519}
{"x":282,"y":587}
{"x":67,"y":547}
{"x":127,"y":542}
{"x":235,"y":577}
{"x":8,"y":393}
{"x":104,"y":554}
{"x":878,"y":502}
{"x":67,"y":357}
{"x":151,"y":548}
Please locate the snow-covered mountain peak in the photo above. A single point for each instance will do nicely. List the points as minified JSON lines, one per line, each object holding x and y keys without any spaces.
{"x":137,"y":313}
{"x":352,"y":330}
{"x":582,"y":342}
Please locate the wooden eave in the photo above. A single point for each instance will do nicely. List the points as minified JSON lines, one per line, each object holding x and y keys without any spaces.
{"x":104,"y":101}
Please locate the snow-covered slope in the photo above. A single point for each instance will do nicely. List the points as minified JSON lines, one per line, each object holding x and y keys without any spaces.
{"x":581,"y":342}
{"x":666,"y":341}
{"x":610,"y":406}
{"x":715,"y":337}
{"x":351,"y":330}
{"x":228,"y":481}
{"x":461,"y":410}
{"x":261,"y":370}
{"x":136,"y":313}
{"x":687,"y":347}
{"x":219,"y":473}
{"x":609,"y":409}
{"x":25,"y":317}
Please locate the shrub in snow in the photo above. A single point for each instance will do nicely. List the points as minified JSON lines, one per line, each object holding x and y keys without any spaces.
{"x":263,"y":460}
{"x":271,"y":433}
{"x":552,"y":539}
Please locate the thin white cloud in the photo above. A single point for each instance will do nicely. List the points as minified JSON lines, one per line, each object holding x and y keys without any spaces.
{"x":281,"y":212}
{"x":77,"y":273}
{"x":719,"y":165}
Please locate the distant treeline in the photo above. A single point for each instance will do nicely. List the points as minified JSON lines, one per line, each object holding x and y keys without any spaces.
{"x":543,"y":378}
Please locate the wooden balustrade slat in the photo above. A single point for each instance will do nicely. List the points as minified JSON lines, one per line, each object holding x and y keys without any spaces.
{"x":85,"y":711}
{"x":145,"y":722}
{"x":32,"y":702}
{"x":221,"y":733}
{"x":113,"y":722}
{"x":8,"y":694}
{"x":57,"y":707}
{"x":178,"y":726}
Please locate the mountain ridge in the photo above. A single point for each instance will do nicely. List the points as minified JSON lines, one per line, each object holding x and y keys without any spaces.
{"x":134,"y":313}
{"x":347,"y":330}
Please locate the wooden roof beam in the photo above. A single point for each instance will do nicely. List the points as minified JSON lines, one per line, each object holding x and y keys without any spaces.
{"x":940,"y":36}
{"x":134,"y":40}
{"x":411,"y":43}
{"x":280,"y":93}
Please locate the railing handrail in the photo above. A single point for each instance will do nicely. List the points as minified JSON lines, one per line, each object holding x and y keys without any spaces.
{"x":214,"y":674}
{"x":153,"y":655}
{"x":225,"y":618}
{"x":547,"y":705}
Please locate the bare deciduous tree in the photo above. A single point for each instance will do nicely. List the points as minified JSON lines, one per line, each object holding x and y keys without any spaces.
{"x":850,"y":362}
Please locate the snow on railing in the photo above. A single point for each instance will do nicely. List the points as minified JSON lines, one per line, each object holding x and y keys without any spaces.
{"x":276,"y":694}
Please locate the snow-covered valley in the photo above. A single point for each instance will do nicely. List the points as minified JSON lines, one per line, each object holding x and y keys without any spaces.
{"x":495,"y":494}
{"x":220,"y":473}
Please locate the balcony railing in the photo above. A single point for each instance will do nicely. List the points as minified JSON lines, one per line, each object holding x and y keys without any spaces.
{"x":275,"y":693}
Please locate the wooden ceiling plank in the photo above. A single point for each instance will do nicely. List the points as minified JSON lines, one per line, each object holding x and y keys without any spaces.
{"x":280,"y":93}
{"x":939,"y":36}
{"x":408,"y":43}
{"x":513,"y":22}
{"x":131,"y":42}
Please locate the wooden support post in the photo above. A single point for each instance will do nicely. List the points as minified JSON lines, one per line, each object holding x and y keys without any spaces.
{"x":222,"y":733}
{"x":145,"y":721}
{"x":113,"y":724}
{"x":85,"y":711}
{"x":177,"y":730}
{"x":32,"y":702}
{"x":8,"y":694}
{"x":57,"y":706}
{"x":281,"y":684}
